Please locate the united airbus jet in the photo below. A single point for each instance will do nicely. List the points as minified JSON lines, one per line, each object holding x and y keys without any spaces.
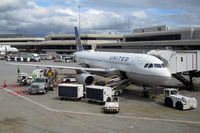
{"x":139,"y":68}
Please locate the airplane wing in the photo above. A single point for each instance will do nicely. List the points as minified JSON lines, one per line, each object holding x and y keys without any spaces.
{"x":65,"y":67}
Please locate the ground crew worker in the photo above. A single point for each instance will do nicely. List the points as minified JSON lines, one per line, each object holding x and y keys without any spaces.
{"x":50,"y":72}
{"x":55,"y":74}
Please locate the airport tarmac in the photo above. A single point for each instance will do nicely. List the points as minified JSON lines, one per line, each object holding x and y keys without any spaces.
{"x":24,"y":113}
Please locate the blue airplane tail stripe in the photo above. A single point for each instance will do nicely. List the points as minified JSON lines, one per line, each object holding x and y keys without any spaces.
{"x":79,"y":46}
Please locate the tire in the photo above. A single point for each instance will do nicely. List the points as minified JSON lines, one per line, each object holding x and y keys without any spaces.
{"x":179,"y":106}
{"x":145,"y":94}
{"x":168,"y":102}
{"x":45,"y":91}
{"x":117,"y":93}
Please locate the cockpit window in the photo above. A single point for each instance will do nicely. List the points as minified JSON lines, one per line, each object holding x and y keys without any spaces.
{"x":150,"y":65}
{"x":157,"y":66}
{"x":145,"y":66}
{"x":163,"y":65}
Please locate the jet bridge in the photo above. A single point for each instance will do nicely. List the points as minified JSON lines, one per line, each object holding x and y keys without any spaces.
{"x":180,"y":63}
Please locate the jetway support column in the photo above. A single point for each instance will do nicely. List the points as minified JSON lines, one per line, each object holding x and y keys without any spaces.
{"x":191,"y":83}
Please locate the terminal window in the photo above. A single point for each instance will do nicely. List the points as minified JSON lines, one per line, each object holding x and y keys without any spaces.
{"x":154,"y":38}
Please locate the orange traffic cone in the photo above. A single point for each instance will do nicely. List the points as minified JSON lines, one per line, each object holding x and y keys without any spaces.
{"x":18,"y":92}
{"x":4,"y":84}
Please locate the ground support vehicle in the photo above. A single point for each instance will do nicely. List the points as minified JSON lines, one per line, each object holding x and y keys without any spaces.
{"x":2,"y":57}
{"x":111,"y":106}
{"x":35,"y":57}
{"x":39,"y":85}
{"x":99,"y":94}
{"x":67,"y":59}
{"x":115,"y":83}
{"x":24,"y":79}
{"x":171,"y":98}
{"x":68,"y":80}
{"x":71,"y":91}
{"x":51,"y":83}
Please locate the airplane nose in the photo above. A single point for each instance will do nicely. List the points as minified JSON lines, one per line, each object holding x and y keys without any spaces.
{"x":167,"y":78}
{"x":164,"y":77}
{"x":162,"y":80}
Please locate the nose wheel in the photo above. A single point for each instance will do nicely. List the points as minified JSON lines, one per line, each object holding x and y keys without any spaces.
{"x":145,"y":93}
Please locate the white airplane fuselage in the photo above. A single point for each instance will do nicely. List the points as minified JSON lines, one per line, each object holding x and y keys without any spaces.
{"x":7,"y":49}
{"x":140,"y":68}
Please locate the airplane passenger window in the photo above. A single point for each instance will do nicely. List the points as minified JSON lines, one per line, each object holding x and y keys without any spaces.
{"x":157,"y":66}
{"x":150,"y":65}
{"x":145,"y":66}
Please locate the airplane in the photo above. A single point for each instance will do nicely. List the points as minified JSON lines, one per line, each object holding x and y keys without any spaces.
{"x":143,"y":69}
{"x":4,"y":49}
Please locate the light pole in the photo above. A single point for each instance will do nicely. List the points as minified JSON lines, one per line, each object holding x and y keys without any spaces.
{"x":79,"y":19}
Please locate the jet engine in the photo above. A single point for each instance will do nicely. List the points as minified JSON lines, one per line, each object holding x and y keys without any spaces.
{"x":85,"y":78}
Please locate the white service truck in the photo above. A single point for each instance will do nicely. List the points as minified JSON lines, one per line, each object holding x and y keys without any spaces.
{"x":24,"y":78}
{"x":39,"y":85}
{"x":173,"y":99}
{"x":111,"y":106}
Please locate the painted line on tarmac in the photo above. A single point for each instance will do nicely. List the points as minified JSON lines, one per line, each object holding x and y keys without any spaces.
{"x":97,"y":114}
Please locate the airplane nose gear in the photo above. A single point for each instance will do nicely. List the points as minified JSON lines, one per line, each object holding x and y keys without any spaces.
{"x":145,"y":93}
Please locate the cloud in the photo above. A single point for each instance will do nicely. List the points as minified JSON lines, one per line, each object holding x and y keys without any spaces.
{"x":7,"y":5}
{"x":43,"y":17}
{"x":142,"y":4}
{"x":139,"y":14}
{"x":66,"y":11}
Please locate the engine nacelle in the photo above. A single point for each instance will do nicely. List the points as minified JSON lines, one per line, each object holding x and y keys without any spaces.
{"x":85,"y":78}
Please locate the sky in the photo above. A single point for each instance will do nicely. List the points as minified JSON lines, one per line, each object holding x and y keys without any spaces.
{"x":39,"y":18}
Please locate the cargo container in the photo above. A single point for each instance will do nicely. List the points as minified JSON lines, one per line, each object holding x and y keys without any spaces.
{"x":71,"y":91}
{"x":98,"y":93}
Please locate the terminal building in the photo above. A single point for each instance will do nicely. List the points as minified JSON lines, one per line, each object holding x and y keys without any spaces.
{"x":158,"y":37}
{"x":141,"y":40}
{"x":63,"y":43}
